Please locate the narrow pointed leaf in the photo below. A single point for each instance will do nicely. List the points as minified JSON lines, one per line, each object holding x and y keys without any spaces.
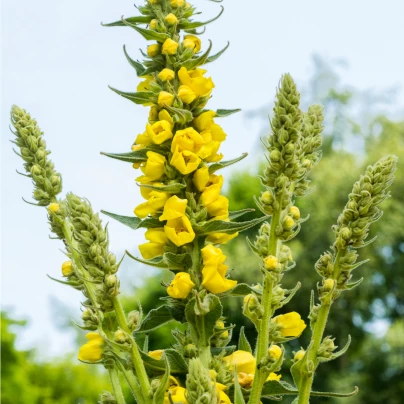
{"x":196,"y":24}
{"x":243,"y":344}
{"x":217,"y":166}
{"x":132,"y":20}
{"x":214,"y":57}
{"x":142,"y":97}
{"x":221,"y":226}
{"x":222,"y":113}
{"x":136,"y":65}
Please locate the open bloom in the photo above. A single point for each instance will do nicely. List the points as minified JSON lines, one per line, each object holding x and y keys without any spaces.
{"x":180,"y":286}
{"x":179,"y":231}
{"x":159,"y":132}
{"x":155,"y":247}
{"x":290,"y":324}
{"x":214,"y":271}
{"x":92,"y":350}
{"x":153,"y":169}
{"x":194,"y":79}
{"x":174,"y":208}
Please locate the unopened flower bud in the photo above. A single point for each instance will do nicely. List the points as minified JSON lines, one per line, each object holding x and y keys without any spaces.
{"x":299,"y":355}
{"x":171,"y":19}
{"x":288,"y":223}
{"x":271,"y":263}
{"x":274,"y":352}
{"x":294,"y":212}
{"x":54,"y":207}
{"x":67,"y":268}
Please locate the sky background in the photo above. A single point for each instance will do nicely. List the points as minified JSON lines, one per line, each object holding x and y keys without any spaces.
{"x":56,"y":63}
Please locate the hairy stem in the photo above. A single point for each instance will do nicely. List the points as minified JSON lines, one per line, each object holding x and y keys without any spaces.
{"x":263,"y":331}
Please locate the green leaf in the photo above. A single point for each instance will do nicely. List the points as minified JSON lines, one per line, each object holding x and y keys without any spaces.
{"x":181,"y":116}
{"x":155,"y":318}
{"x":214,"y":57}
{"x":217,"y":166}
{"x":173,"y":188}
{"x":237,"y":213}
{"x":132,"y":20}
{"x":243,"y":344}
{"x":136,"y":65}
{"x":157,"y":262}
{"x":158,"y":396}
{"x":148,"y":34}
{"x":196,"y":24}
{"x":240,"y":290}
{"x":197,"y":61}
{"x":221,"y":226}
{"x":222,"y":113}
{"x":131,"y":221}
{"x":142,"y":97}
{"x":202,"y":324}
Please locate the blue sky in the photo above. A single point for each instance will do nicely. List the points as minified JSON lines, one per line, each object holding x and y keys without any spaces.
{"x":57,"y":62}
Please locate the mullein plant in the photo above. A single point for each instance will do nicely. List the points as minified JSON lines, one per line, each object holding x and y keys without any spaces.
{"x":186,"y":219}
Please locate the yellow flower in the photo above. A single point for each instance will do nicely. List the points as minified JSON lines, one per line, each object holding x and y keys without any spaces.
{"x":185,"y":162}
{"x":179,"y":231}
{"x":157,"y":354}
{"x":153,"y":24}
{"x":177,"y":395}
{"x":180,"y":286}
{"x":275,"y":352}
{"x":194,"y":79}
{"x":67,"y":268}
{"x":220,"y":207}
{"x":155,"y":247}
{"x":185,"y":94}
{"x":192,"y":42}
{"x":153,"y":50}
{"x":164,"y":115}
{"x":159,"y":132}
{"x":220,"y":238}
{"x":242,"y":360}
{"x":174,"y":208}
{"x":166,"y":75}
{"x":165,"y":98}
{"x":155,"y":202}
{"x":171,"y":19}
{"x":145,"y":84}
{"x":212,"y":191}
{"x":54,"y":207}
{"x":214,"y":271}
{"x":201,"y":178}
{"x":92,"y":350}
{"x":175,"y":4}
{"x":169,"y":47}
{"x":187,"y":139}
{"x":271,"y":263}
{"x":290,"y":324}
{"x":153,"y":169}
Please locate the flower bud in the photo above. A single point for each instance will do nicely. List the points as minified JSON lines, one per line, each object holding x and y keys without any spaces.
{"x":171,"y":19}
{"x":294,"y":212}
{"x":67,"y":268}
{"x":299,"y":355}
{"x":274,"y":352}
{"x":153,"y":50}
{"x":54,"y":207}
{"x":271,"y":263}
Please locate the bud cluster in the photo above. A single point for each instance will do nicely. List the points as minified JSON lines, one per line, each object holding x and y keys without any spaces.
{"x":29,"y":138}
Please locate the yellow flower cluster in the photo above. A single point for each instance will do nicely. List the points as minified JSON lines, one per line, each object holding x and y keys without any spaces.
{"x":180,"y":153}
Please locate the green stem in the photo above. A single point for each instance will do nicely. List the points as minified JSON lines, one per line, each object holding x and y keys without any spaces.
{"x":263,"y":331}
{"x":116,"y":385}
{"x":317,"y":336}
{"x":135,"y":354}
